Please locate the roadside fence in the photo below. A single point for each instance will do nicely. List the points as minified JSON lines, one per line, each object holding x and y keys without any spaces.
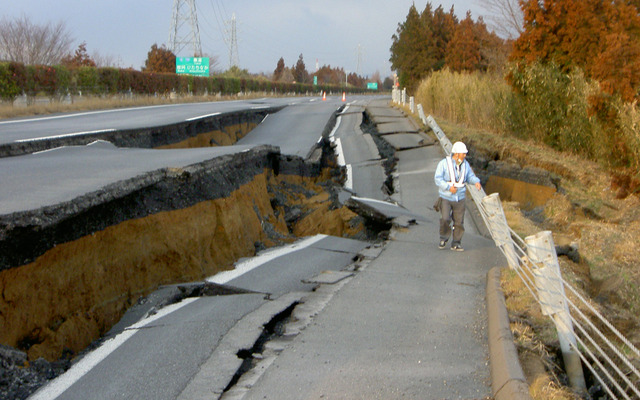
{"x":586,"y":337}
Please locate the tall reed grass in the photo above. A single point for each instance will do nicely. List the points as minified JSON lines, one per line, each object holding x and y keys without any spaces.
{"x":543,"y":104}
{"x":473,"y":99}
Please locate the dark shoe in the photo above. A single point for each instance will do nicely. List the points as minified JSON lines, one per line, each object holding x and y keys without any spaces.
{"x":442,"y":244}
{"x":457,"y":247}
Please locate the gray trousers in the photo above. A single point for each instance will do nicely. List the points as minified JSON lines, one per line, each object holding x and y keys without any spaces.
{"x":452,"y":211}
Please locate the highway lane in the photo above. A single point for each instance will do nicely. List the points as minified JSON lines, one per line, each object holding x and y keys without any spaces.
{"x":358,"y":153}
{"x":82,"y":123}
{"x":156,"y":359}
{"x":59,"y":175}
{"x":46,"y":178}
{"x":296,"y":129}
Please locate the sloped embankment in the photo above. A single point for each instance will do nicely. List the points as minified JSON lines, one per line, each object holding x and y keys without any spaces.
{"x":174,"y":226}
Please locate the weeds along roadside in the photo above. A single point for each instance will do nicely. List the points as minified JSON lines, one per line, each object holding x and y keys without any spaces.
{"x":593,"y":208}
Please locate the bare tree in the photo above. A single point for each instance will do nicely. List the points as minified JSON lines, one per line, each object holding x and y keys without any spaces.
{"x":505,"y":17}
{"x":28,"y":43}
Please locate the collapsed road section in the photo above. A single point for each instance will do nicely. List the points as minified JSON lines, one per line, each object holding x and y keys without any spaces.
{"x":71,"y":267}
{"x":217,"y":129}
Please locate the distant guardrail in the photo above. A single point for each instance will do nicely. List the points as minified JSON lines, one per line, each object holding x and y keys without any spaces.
{"x":586,"y":336}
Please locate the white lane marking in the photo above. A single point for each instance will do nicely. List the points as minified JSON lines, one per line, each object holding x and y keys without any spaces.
{"x":246,"y":266}
{"x":203,"y":116}
{"x":335,"y":128}
{"x":374,"y":200}
{"x":66,"y":135}
{"x":83,"y":114}
{"x":59,"y":385}
{"x":340,"y":155}
{"x":349,"y":181}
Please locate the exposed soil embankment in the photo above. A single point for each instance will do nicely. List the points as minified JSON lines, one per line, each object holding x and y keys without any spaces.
{"x":176,"y":226}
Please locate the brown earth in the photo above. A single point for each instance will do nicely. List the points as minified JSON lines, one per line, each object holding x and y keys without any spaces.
{"x":75,"y":292}
{"x":227,"y":137}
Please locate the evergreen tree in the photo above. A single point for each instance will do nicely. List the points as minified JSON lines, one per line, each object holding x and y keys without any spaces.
{"x":277,"y":73}
{"x":409,"y":48}
{"x":300,"y":73}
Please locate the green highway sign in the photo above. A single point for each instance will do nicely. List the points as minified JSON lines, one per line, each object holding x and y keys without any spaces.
{"x":372,"y":85}
{"x":198,"y":66}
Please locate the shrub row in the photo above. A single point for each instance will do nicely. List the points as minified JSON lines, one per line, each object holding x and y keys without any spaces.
{"x":544,"y":104}
{"x":59,"y":81}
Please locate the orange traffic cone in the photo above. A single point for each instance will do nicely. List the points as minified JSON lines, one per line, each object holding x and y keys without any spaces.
{"x":324,"y":96}
{"x":344,"y":96}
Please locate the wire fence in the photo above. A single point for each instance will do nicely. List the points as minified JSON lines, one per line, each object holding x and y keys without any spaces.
{"x":586,"y":337}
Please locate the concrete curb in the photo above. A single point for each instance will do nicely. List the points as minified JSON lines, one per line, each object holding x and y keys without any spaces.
{"x":507,"y":379}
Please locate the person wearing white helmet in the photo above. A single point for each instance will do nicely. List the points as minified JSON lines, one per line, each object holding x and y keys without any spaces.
{"x":452,"y":173}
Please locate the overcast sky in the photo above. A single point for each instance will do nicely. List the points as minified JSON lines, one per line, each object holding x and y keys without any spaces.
{"x":330,"y":31}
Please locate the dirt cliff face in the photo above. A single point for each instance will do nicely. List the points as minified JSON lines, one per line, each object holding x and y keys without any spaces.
{"x":74,"y":292}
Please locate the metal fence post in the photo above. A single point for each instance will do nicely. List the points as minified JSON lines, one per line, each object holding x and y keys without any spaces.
{"x":412,"y":105}
{"x":541,"y":250}
{"x":499,"y":228}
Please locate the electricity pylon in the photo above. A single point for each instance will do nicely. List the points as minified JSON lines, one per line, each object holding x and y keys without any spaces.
{"x":184,"y":11}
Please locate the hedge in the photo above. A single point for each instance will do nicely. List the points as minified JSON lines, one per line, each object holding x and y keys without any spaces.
{"x":59,"y":81}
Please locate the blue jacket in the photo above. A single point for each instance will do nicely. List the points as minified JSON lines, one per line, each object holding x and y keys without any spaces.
{"x":443,"y":181}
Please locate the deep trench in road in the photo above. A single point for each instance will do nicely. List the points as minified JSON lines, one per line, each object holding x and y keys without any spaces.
{"x":58,"y":300}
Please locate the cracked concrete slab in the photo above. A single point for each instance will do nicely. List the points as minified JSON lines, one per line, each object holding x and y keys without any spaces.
{"x":329,"y":277}
{"x":405,"y":141}
{"x":382,"y":211}
{"x":402,"y":125}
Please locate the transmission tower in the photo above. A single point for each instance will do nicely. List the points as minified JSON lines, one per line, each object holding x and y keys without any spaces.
{"x":184,"y":12}
{"x":232,"y":43}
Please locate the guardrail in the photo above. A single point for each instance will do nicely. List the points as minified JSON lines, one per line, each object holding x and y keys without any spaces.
{"x":586,"y":337}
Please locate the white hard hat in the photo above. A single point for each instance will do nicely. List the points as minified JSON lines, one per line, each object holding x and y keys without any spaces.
{"x":459,"y":147}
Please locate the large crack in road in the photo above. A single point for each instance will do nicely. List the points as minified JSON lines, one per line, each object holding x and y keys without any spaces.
{"x":71,"y":271}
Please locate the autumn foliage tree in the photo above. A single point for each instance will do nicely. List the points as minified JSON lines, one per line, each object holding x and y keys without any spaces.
{"x":160,"y":59}
{"x":600,"y":37}
{"x":79,"y":59}
{"x":463,"y":50}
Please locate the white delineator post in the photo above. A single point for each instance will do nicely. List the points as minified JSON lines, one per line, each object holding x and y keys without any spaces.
{"x":541,"y":250}
{"x":499,"y":228}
